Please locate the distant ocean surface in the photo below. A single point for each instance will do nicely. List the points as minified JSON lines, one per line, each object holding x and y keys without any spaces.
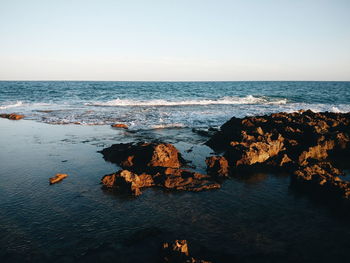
{"x":147,"y":105}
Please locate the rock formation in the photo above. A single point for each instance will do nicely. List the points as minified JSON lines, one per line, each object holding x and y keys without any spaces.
{"x":304,"y":143}
{"x":141,"y":155}
{"x":151,"y":164}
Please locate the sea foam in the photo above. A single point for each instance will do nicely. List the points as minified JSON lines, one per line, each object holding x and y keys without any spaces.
{"x":250,"y":99}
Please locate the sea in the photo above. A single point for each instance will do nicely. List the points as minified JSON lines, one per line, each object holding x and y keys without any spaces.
{"x":149,"y":105}
{"x":253,"y":218}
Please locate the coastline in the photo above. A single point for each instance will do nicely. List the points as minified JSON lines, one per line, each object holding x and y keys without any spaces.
{"x":76,"y":219}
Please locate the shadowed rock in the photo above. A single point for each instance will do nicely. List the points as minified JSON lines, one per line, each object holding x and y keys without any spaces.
{"x":217,"y":166}
{"x":178,"y":252}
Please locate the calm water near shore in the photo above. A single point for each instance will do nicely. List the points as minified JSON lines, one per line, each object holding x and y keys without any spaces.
{"x":256,"y":219}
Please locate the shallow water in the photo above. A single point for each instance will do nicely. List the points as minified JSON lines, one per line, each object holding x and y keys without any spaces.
{"x":145,"y":105}
{"x":251,"y":219}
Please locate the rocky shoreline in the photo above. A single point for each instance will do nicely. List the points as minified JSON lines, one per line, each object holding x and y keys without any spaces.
{"x":304,"y":144}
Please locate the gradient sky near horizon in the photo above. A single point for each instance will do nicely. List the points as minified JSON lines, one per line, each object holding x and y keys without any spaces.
{"x":175,"y":40}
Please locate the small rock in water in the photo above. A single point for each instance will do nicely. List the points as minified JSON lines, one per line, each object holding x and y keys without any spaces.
{"x":120,"y":125}
{"x":178,"y":252}
{"x":57,"y":178}
{"x":12,"y":116}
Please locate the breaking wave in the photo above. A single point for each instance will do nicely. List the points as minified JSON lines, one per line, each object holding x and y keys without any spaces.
{"x":221,"y":101}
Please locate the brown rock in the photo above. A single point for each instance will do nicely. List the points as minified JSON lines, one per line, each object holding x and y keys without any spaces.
{"x":12,"y":116}
{"x":251,"y":152}
{"x":57,"y":178}
{"x":217,"y":166}
{"x":304,"y":143}
{"x":322,"y":176}
{"x":125,"y":181}
{"x":185,"y":180}
{"x":120,"y":125}
{"x":178,"y":252}
{"x":140,"y":155}
{"x":318,"y":152}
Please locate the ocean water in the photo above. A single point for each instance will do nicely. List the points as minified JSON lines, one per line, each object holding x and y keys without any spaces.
{"x":147,"y":105}
{"x":255,"y":218}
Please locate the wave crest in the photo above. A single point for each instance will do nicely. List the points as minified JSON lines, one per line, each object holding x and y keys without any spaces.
{"x":221,"y":101}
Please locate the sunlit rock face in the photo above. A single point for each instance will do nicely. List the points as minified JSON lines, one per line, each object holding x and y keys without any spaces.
{"x":304,"y":144}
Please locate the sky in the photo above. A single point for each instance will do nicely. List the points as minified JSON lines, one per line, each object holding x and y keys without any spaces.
{"x":179,"y":40}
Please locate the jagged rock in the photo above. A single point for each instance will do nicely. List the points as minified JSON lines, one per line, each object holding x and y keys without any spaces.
{"x":57,"y":178}
{"x":125,"y":181}
{"x":140,"y":155}
{"x":298,"y":143}
{"x":322,"y":176}
{"x":319,"y":152}
{"x":217,"y":166}
{"x":250,"y":151}
{"x":178,"y":252}
{"x":185,"y":180}
{"x":12,"y":116}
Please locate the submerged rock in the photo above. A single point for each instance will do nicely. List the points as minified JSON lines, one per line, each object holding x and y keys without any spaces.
{"x":298,"y":143}
{"x":12,"y":116}
{"x":57,"y":178}
{"x":178,"y":252}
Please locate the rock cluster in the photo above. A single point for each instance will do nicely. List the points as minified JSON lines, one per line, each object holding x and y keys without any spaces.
{"x":151,"y":164}
{"x":12,"y":116}
{"x":178,"y":252}
{"x":305,"y":144}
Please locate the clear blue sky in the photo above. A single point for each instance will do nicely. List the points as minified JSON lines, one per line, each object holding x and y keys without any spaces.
{"x":175,"y":40}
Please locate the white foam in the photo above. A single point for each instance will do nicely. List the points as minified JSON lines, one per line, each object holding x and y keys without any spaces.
{"x":221,"y":101}
{"x":167,"y":126}
{"x":8,"y":106}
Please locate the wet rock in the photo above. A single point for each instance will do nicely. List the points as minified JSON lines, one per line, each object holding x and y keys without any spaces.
{"x":185,"y":180}
{"x":178,"y":252}
{"x":251,"y":151}
{"x":120,"y":125}
{"x":127,"y":182}
{"x":12,"y":116}
{"x":305,"y":144}
{"x":322,"y":176}
{"x":217,"y":166}
{"x":132,"y":156}
{"x":57,"y":178}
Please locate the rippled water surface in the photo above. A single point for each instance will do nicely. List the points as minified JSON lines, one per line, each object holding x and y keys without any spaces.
{"x":256,"y":218}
